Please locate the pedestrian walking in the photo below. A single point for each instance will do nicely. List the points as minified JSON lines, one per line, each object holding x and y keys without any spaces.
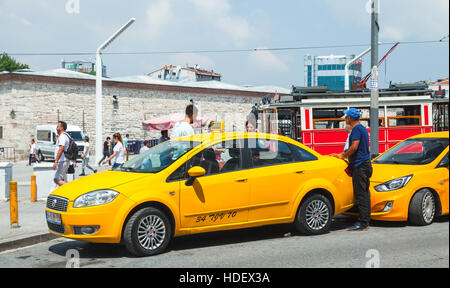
{"x":358,"y":155}
{"x":32,"y":156}
{"x":144,"y":148}
{"x":106,"y":150}
{"x":118,"y":153}
{"x":184,"y":128}
{"x":85,"y":157}
{"x":61,"y":163}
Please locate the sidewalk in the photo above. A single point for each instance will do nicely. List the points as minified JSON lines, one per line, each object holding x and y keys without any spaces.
{"x":33,"y":225}
{"x":32,"y":222}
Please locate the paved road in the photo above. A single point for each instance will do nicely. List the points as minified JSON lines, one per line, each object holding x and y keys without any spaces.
{"x":398,"y":245}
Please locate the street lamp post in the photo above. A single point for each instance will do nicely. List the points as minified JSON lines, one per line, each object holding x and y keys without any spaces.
{"x":374,"y":148}
{"x":98,"y":91}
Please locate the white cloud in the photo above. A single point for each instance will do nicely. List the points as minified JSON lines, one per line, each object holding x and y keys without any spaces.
{"x":217,"y":13}
{"x":159,"y":14}
{"x":421,"y":20}
{"x":400,"y":19}
{"x":263,"y":59}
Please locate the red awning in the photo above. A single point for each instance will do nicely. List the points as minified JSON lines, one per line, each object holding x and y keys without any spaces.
{"x":167,"y":122}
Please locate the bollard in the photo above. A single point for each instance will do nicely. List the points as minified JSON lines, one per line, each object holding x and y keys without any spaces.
{"x":33,"y":188}
{"x":13,"y":207}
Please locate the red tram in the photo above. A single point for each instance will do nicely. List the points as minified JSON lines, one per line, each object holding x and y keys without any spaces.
{"x":314,"y":116}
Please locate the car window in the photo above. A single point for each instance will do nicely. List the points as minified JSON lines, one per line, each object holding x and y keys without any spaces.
{"x":158,"y":157}
{"x":216,"y":159}
{"x":302,"y":154}
{"x":270,"y":152}
{"x":219,"y":158}
{"x":416,"y":151}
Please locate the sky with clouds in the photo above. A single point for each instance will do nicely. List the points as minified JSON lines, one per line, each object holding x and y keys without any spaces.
{"x":65,"y":26}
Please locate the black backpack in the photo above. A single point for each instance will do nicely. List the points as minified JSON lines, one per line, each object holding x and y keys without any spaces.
{"x":72,"y":150}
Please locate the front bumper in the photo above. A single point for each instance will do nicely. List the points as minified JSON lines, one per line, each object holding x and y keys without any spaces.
{"x":108,"y":218}
{"x":400,"y":204}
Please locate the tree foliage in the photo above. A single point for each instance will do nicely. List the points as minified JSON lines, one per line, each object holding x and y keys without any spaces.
{"x":10,"y":64}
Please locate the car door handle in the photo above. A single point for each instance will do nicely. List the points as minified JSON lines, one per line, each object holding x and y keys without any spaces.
{"x":300,"y":172}
{"x":241,"y":180}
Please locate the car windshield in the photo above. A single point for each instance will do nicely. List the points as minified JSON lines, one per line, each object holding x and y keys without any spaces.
{"x":76,"y":135}
{"x":159,"y":157}
{"x":418,"y":151}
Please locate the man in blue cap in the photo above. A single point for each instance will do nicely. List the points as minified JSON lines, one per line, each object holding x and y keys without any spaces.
{"x":358,"y":155}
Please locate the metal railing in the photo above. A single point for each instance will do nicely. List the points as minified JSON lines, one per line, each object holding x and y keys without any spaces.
{"x":7,"y":154}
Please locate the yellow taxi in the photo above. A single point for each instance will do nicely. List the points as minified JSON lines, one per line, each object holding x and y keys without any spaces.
{"x":203,"y":183}
{"x":410,"y":180}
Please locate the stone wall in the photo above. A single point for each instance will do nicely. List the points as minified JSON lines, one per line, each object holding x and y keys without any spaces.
{"x":37,"y":102}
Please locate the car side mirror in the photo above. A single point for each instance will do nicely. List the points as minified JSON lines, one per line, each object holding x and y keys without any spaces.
{"x":194,"y":172}
{"x":444,"y":163}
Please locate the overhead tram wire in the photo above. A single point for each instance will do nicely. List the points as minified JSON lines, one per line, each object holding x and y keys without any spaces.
{"x":226,"y":50}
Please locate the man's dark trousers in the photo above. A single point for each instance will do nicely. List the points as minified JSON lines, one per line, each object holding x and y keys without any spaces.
{"x":361,"y":181}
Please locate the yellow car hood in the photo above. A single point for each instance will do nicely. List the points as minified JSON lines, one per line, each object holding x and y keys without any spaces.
{"x":387,"y":172}
{"x":97,"y":181}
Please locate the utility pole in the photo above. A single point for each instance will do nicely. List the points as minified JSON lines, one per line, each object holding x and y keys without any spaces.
{"x":374,"y":148}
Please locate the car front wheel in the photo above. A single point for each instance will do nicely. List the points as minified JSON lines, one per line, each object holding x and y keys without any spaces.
{"x":314,"y":215}
{"x":148,"y":232}
{"x":422,"y":209}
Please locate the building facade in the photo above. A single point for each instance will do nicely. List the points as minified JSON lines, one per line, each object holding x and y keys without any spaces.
{"x":329,"y":71}
{"x":184,"y":74}
{"x":27,"y":100}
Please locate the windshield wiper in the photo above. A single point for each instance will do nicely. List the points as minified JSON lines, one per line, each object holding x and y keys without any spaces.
{"x":127,"y":169}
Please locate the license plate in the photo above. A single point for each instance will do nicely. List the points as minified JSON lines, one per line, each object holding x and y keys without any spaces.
{"x":53,"y":217}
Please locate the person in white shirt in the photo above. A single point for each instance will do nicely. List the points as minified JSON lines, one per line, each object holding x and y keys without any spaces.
{"x":32,"y":152}
{"x":348,"y":129}
{"x":145,"y":147}
{"x":118,"y":152}
{"x":61,"y":163}
{"x":184,"y":128}
{"x":85,"y":157}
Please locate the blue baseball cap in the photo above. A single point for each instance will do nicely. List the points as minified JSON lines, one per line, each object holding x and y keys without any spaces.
{"x":353,"y":112}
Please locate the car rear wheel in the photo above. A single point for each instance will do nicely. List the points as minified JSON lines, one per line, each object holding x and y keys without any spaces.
{"x":314,"y":215}
{"x":422,"y":209}
{"x":148,"y":232}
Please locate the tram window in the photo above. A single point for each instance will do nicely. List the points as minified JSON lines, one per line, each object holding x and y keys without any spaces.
{"x":404,"y":121}
{"x":329,"y":124}
{"x":399,"y":116}
{"x":366,"y":122}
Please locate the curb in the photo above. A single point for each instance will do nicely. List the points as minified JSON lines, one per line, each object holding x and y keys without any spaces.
{"x":28,"y":241}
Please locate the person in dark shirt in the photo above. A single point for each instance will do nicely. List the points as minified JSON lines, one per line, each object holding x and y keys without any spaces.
{"x":106,"y":150}
{"x":358,"y":155}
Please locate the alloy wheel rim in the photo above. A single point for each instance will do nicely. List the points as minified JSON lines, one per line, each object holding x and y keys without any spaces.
{"x":428,"y":208}
{"x":151,"y":232}
{"x":317,"y":215}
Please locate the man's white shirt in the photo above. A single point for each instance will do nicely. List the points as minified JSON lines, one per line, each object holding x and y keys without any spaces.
{"x":63,"y":140}
{"x":182,"y":129}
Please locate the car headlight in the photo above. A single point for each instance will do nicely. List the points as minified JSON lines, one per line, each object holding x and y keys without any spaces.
{"x":393,"y":184}
{"x":95,"y":198}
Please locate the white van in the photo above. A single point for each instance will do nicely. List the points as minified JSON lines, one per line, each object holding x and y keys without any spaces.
{"x":46,"y":140}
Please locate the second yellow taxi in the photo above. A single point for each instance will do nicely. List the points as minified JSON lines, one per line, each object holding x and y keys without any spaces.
{"x":199,"y":184}
{"x":410,"y":180}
